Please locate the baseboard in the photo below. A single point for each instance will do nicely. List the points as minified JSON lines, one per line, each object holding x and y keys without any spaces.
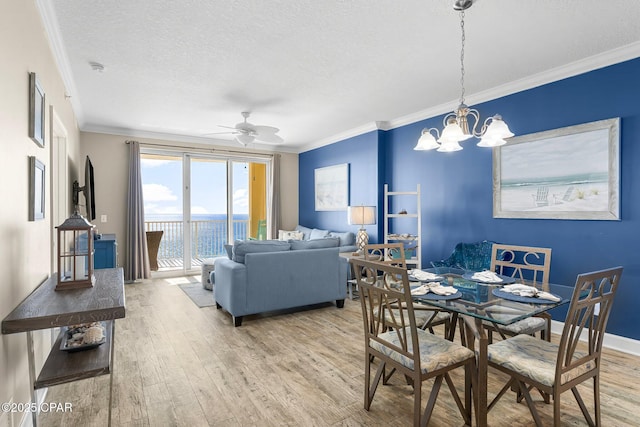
{"x":614,"y":342}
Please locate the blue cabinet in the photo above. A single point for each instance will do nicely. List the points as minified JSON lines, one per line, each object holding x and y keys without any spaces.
{"x":105,"y":253}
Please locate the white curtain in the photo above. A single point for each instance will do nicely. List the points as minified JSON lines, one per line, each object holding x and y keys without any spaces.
{"x":273,"y":200}
{"x":137,"y":258}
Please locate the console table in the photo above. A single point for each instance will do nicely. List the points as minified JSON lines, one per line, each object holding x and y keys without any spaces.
{"x":46,"y":308}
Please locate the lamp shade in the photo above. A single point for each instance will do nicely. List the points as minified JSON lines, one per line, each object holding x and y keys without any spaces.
{"x":426,"y":141}
{"x":362,"y":215}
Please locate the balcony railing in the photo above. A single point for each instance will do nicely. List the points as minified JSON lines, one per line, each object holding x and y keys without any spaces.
{"x":208,"y":238}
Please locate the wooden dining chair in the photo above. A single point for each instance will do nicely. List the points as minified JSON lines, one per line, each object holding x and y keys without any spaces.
{"x":556,"y":368}
{"x":527,"y":264}
{"x":393,"y":254}
{"x":396,"y":343}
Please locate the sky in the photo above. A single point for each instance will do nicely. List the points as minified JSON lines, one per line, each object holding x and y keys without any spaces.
{"x":162,"y":186}
{"x":579,"y":153}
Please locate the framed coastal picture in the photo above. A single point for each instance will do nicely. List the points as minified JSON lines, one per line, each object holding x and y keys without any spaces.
{"x":567,"y":173}
{"x":36,"y":110}
{"x":36,"y":189}
{"x":332,"y":188}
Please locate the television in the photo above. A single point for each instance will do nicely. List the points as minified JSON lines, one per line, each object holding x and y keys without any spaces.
{"x":87,"y":190}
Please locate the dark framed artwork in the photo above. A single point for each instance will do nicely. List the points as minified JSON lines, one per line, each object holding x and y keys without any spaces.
{"x":36,"y":110}
{"x":36,"y":189}
{"x":567,"y":173}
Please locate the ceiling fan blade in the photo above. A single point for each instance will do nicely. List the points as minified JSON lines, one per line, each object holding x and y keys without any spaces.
{"x":226,"y":127}
{"x":269,"y":138}
{"x":266,"y":129}
{"x":221,"y":133}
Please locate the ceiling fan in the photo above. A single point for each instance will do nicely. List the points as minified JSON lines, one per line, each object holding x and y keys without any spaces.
{"x":246,"y":133}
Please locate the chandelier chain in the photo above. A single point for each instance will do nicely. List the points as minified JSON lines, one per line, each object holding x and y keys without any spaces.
{"x":462,"y":58}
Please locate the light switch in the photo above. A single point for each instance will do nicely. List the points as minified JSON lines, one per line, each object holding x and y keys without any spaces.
{"x":103,"y":218}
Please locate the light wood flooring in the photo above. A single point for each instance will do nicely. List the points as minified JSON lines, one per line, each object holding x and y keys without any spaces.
{"x":180,"y":365}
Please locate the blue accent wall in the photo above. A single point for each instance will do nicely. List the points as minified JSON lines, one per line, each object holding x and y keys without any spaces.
{"x":457,"y":194}
{"x":362,"y":153}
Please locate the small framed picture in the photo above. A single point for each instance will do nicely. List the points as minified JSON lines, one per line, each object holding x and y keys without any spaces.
{"x":36,"y":189}
{"x":36,"y":110}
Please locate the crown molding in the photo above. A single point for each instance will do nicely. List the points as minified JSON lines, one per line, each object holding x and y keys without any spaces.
{"x":360,"y":130}
{"x":614,"y":56}
{"x":51,"y":26}
{"x":134,"y":133}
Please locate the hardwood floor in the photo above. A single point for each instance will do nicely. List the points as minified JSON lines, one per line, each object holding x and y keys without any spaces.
{"x":180,"y":365}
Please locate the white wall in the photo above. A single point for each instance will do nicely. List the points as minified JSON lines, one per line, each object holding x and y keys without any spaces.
{"x":25,"y":247}
{"x":109,"y":156}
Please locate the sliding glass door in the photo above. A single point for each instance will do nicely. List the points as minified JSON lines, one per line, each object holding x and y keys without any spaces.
{"x":202,"y":203}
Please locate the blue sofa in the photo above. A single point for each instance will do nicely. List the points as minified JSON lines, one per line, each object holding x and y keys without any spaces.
{"x":273,"y":275}
{"x":347,"y":239}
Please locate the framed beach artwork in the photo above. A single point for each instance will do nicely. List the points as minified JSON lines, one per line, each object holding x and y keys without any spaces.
{"x":332,"y":188}
{"x":36,"y":189}
{"x":36,"y":110}
{"x":567,"y":173}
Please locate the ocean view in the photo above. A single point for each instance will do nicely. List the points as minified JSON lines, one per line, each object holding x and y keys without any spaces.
{"x":208,"y":231}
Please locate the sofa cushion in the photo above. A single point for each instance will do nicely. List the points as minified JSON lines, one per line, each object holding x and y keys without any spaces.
{"x":306,"y":232}
{"x":243,"y":247}
{"x":346,"y":238}
{"x":329,"y":242}
{"x":318,"y":234}
{"x":290,"y":235}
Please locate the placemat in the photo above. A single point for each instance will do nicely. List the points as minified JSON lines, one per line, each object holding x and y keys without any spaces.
{"x":517,"y":298}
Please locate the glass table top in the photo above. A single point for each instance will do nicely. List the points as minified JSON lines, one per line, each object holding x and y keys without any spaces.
{"x":487,"y":301}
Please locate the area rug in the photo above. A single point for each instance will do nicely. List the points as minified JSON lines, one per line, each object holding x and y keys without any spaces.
{"x":200,"y":296}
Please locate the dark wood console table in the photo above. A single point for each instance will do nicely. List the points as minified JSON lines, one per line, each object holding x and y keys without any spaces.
{"x":46,"y":308}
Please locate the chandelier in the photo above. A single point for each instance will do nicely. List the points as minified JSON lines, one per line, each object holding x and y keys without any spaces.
{"x":493,"y":131}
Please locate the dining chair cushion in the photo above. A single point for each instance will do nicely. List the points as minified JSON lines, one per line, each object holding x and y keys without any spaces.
{"x":534,"y":358}
{"x":526,"y":326}
{"x":435,"y":352}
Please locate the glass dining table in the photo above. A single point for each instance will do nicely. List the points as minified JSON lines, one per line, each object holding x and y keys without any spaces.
{"x":477,"y":302}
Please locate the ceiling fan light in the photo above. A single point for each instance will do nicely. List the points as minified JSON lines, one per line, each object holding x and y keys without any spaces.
{"x":245,"y":139}
{"x":426,"y":141}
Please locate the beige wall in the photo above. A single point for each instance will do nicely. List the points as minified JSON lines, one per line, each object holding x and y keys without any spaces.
{"x":109,"y":156}
{"x":25,"y":247}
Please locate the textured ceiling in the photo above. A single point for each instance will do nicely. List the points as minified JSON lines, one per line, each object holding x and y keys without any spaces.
{"x":318,"y":70}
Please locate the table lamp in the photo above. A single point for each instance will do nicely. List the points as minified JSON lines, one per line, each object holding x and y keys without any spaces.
{"x":362,"y":215}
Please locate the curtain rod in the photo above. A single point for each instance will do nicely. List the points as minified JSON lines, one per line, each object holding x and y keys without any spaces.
{"x":212,"y":150}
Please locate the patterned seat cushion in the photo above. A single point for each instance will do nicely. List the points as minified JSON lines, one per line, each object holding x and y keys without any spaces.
{"x":435,"y":352}
{"x":526,"y":326}
{"x":534,"y":358}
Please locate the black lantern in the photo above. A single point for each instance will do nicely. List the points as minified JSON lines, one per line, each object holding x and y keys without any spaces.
{"x":75,"y":253}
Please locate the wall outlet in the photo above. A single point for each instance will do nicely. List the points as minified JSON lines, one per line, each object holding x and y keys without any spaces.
{"x":596,"y":309}
{"x":103,"y":218}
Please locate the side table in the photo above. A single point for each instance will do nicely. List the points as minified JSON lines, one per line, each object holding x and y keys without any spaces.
{"x":47,"y":308}
{"x":351,"y":281}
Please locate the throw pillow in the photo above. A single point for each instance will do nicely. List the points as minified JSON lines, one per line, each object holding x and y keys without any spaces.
{"x":290,"y":235}
{"x":346,"y":239}
{"x":229,"y":249}
{"x":306,"y":232}
{"x":318,"y":234}
{"x":244,"y":247}
{"x":329,"y":242}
